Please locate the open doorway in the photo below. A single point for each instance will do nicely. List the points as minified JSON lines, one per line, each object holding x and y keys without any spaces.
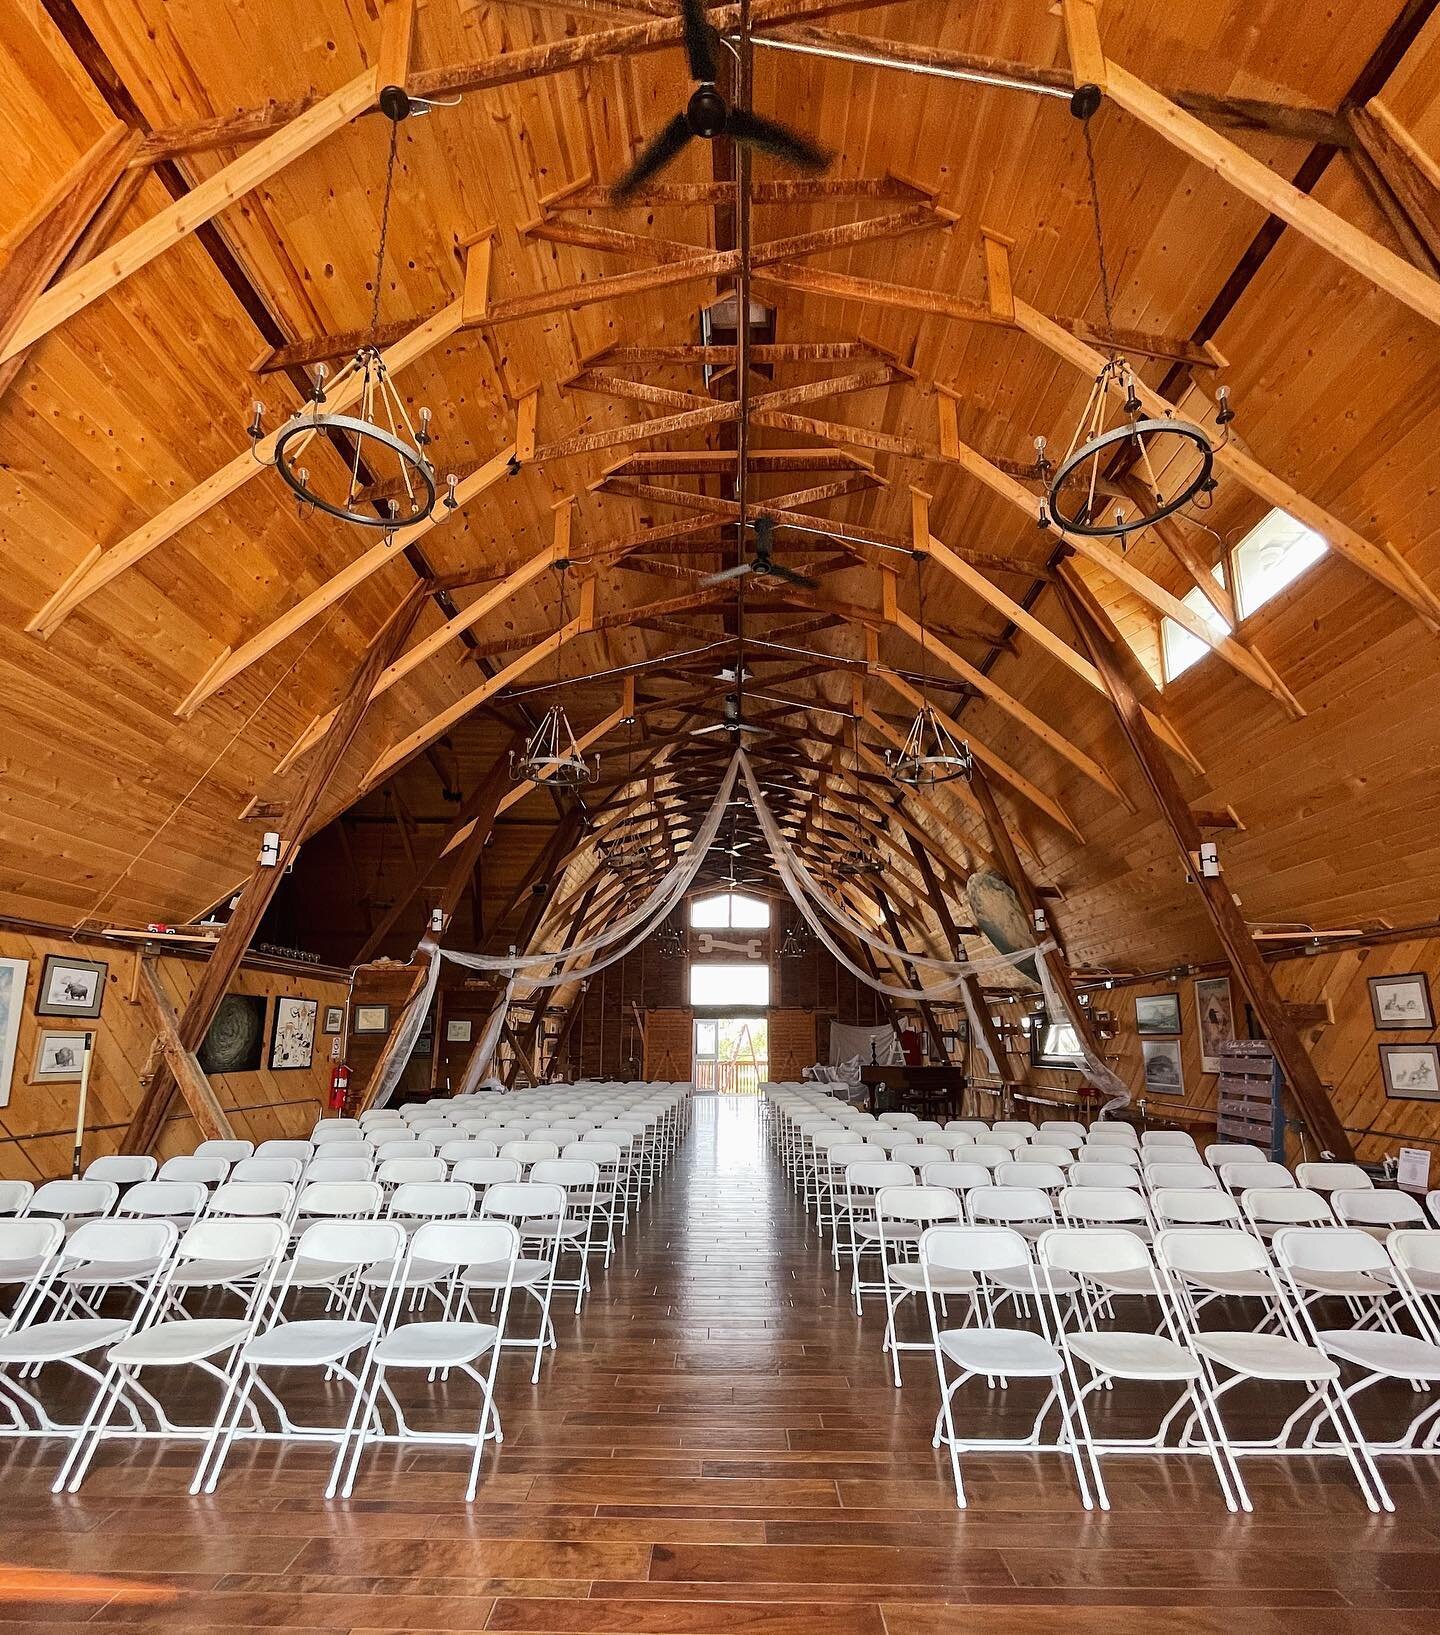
{"x":732,"y":1054}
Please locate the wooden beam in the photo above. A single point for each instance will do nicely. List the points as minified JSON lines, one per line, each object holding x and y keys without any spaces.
{"x":1408,"y":174}
{"x":35,"y":250}
{"x":97,"y":569}
{"x":1241,"y":658}
{"x":1312,"y":220}
{"x":181,"y":1061}
{"x":1216,"y":894}
{"x":77,"y":290}
{"x":1316,"y":126}
{"x":257,"y":892}
{"x":1381,"y":562}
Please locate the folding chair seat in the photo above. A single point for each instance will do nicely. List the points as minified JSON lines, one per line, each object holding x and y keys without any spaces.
{"x":1284,"y":1353}
{"x":125,"y":1169}
{"x":523,"y":1203}
{"x":446,"y":1251}
{"x":966,"y":1260}
{"x":232,"y":1151}
{"x":286,"y":1171}
{"x":112,"y":1253}
{"x":350,"y":1248}
{"x":73,"y":1201}
{"x":902,"y":1215}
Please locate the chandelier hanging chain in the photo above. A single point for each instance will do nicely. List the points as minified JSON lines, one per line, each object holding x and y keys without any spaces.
{"x":385,"y":229}
{"x":1105,"y":295}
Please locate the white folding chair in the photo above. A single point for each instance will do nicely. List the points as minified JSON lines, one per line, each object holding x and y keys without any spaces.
{"x":1028,"y":1172}
{"x":902,"y":1215}
{"x":15,"y":1198}
{"x":1107,"y":1132}
{"x":278,"y":1148}
{"x":444,"y":1251}
{"x":323,"y":1168}
{"x":1109,"y":1152}
{"x":521,"y":1202}
{"x":335,"y":1129}
{"x":527,"y":1152}
{"x":1106,"y":1176}
{"x":1196,"y":1177}
{"x":575,"y":1229}
{"x":1231,"y":1152}
{"x":1238,"y":1178}
{"x":178,"y":1201}
{"x":466,"y":1146}
{"x":125,"y":1169}
{"x":73,"y":1201}
{"x":1172,"y":1142}
{"x":961,"y":1260}
{"x":1036,"y":1152}
{"x":1378,"y":1212}
{"x":285,"y":1171}
{"x":1330,"y":1177}
{"x":1195,"y":1206}
{"x":207,"y":1171}
{"x":232,"y":1151}
{"x":394,"y":1172}
{"x":862,"y":1182}
{"x":481,"y":1173}
{"x":1267,"y":1209}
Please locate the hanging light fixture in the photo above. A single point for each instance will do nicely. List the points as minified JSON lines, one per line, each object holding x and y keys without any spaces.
{"x":795,"y":944}
{"x":668,"y":941}
{"x":552,"y":755}
{"x":389,"y":478}
{"x":630,"y":846}
{"x":1112,"y":427}
{"x":930,"y":753}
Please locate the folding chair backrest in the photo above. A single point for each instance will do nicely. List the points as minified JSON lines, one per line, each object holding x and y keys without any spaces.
{"x":1002,"y":1203}
{"x":895,"y":1120}
{"x":351,"y":1242}
{"x":1195,"y":1206}
{"x":1103,"y":1205}
{"x":1025,"y":1173}
{"x":560,"y":1134}
{"x":461,"y":1244}
{"x":577,"y":1174}
{"x":254,"y":1199}
{"x":453,"y":1152}
{"x":1200,"y":1252}
{"x":988,"y":1154}
{"x":120,"y":1242}
{"x":1108,"y":1152}
{"x":969,"y":1126}
{"x":335,"y":1129}
{"x":1417,"y":1249}
{"x":285,"y":1149}
{"x":953,"y":1141}
{"x":1106,"y":1133}
{"x":1330,"y":1249}
{"x":1168,"y":1138}
{"x":1238,"y":1178}
{"x":1089,"y":1174}
{"x":870,"y":1175}
{"x":1021,"y":1126}
{"x":330,"y":1152}
{"x":529,"y":1152}
{"x":1051,"y":1129}
{"x":1041,"y":1153}
{"x":957,"y":1175}
{"x":162,"y":1199}
{"x":1369,"y":1206}
{"x":403,"y":1148}
{"x":15,"y":1197}
{"x":918,"y":1153}
{"x":486,"y":1172}
{"x":973,"y":1249}
{"x":123,"y":1168}
{"x":339,"y":1169}
{"x":1332,"y":1177}
{"x":1196,"y":1177}
{"x":1230,"y":1152}
{"x":208,"y":1171}
{"x":233,"y":1241}
{"x":1291,"y":1206}
{"x":1009,"y":1139}
{"x":286,"y":1170}
{"x":341,"y":1198}
{"x":604,"y":1153}
{"x":395,"y":1171}
{"x":432,"y":1198}
{"x":231,"y":1151}
{"x":917,"y":1204}
{"x":1093,"y":1250}
{"x":74,"y":1198}
{"x":524,"y":1200}
{"x":23,"y":1242}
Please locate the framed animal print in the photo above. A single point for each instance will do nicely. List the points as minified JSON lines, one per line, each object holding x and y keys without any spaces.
{"x":71,"y":987}
{"x":1215,"y":1017}
{"x":59,"y":1056}
{"x":1411,"y":1072}
{"x":1401,"y":1001}
{"x":292,"y":1035}
{"x":372,"y":1019}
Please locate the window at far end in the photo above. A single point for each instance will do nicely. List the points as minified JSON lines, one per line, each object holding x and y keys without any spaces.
{"x":1273,"y":554}
{"x":745,"y":986}
{"x":730,"y":910}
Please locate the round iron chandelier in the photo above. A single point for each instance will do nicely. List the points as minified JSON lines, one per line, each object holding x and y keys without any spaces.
{"x":930,"y":753}
{"x":551,"y":754}
{"x":389,"y":479}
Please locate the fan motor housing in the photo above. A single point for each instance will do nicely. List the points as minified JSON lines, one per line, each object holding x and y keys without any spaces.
{"x":705,"y":113}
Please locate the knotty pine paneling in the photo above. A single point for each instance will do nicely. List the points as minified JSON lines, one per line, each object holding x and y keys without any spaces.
{"x":37,"y":1128}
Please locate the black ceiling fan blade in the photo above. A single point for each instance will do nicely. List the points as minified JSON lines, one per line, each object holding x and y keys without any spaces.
{"x":727,"y":574}
{"x":654,"y":156}
{"x":790,"y":577}
{"x":699,"y":42}
{"x":770,"y":137}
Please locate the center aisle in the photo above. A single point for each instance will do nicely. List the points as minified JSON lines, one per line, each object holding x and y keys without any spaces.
{"x":716,"y":1449}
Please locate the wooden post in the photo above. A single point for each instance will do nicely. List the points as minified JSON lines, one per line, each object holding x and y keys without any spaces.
{"x":260,"y":888}
{"x":197,"y":1090}
{"x":82,"y":1101}
{"x":1219,"y":901}
{"x":978,"y":1004}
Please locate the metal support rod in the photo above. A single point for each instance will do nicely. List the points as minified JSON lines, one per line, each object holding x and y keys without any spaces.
{"x":971,"y":76}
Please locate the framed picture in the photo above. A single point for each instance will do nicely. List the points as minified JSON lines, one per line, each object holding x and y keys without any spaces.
{"x":13,"y":973}
{"x":292,"y":1035}
{"x":372,"y":1019}
{"x":334,"y":1018}
{"x":1401,"y":1001}
{"x":59,"y":1055}
{"x":235,"y":1040}
{"x":1411,"y":1072}
{"x":1215,"y":1017}
{"x":457,"y":1032}
{"x":70,"y":987}
{"x":1157,"y":1013}
{"x":1163,"y":1073}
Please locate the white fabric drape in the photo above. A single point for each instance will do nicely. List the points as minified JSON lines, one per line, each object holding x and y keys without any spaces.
{"x":1104,"y":1077}
{"x":877,"y":1045}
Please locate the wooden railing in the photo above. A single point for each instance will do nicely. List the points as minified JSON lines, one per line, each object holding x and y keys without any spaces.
{"x":729,"y":1078}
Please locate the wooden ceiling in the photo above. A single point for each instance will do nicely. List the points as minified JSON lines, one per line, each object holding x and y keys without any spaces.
{"x":157,"y":693}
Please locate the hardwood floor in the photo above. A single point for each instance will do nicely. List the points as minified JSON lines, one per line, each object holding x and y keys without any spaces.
{"x":716,"y":1448}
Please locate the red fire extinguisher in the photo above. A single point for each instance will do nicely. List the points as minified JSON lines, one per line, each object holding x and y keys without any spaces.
{"x":339,"y":1087}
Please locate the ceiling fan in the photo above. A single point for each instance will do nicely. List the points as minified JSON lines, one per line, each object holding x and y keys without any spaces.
{"x":708,"y":115}
{"x":763,"y":562}
{"x":732,"y":722}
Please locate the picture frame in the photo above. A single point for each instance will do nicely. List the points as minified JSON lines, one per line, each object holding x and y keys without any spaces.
{"x":292,"y":1033}
{"x":1164,"y":1071}
{"x":235,"y":1040}
{"x":371,"y":1019}
{"x":1157,"y":1013}
{"x":59,"y":1055}
{"x":71,"y":987}
{"x":1214,"y":1019}
{"x":14,"y":973}
{"x":334,"y":1018}
{"x":458,"y":1030}
{"x":1410,"y":1072}
{"x":1400,"y":1002}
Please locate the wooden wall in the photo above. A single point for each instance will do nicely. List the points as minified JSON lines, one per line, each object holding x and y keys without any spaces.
{"x":37,"y":1128}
